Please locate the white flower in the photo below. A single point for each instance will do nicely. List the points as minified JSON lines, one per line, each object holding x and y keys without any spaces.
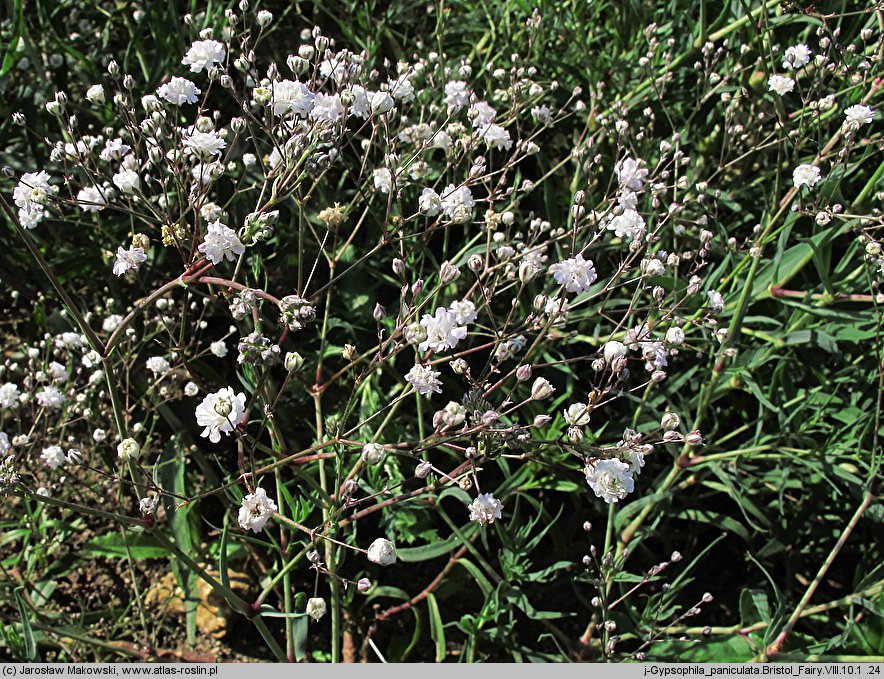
{"x":635,"y":459}
{"x":218,"y":348}
{"x":858,"y":114}
{"x":291,"y":96}
{"x":630,"y":174}
{"x":577,"y":414}
{"x":675,"y":335}
{"x":485,"y":509}
{"x":806,"y":175}
{"x":59,"y":372}
{"x":541,"y":389}
{"x":127,"y":181}
{"x":796,"y":57}
{"x":429,"y":203}
{"x":111,"y":323}
{"x":205,"y":144}
{"x":359,"y":106}
{"x":32,"y":189}
{"x":780,"y":84}
{"x":327,"y":107}
{"x":401,"y":88}
{"x":496,"y":137}
{"x":654,"y":354}
{"x":382,"y":552}
{"x":128,"y":260}
{"x":158,"y":365}
{"x":50,"y":397}
{"x":464,"y":311}
{"x":220,"y":243}
{"x":424,"y":380}
{"x":179,"y":91}
{"x":380,"y":103}
{"x":149,"y":503}
{"x":443,"y":331}
{"x":315,"y":608}
{"x":9,"y":396}
{"x":613,"y":350}
{"x":53,"y":457}
{"x":128,"y":449}
{"x":90,"y":199}
{"x":114,"y":149}
{"x":383,"y":180}
{"x":716,"y":302}
{"x":576,"y":274}
{"x":452,"y":415}
{"x":191,"y":389}
{"x":220,"y":413}
{"x":95,"y":94}
{"x":256,"y":510}
{"x":456,"y":94}
{"x":628,"y":224}
{"x":204,"y":54}
{"x":481,"y":114}
{"x":610,"y":480}
{"x":458,"y":203}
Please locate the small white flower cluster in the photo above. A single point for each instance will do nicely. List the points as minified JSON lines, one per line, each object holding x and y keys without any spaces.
{"x":220,"y":413}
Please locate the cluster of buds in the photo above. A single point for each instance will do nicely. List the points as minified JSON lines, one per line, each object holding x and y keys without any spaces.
{"x":257,"y":350}
{"x":296,"y":312}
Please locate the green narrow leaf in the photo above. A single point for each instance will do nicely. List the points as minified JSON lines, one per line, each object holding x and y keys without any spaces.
{"x":27,"y":632}
{"x":437,"y":628}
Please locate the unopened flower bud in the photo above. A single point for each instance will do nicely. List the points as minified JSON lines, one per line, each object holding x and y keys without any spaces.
{"x":398,"y":266}
{"x":128,"y":449}
{"x":527,"y":272}
{"x":293,"y":361}
{"x":523,"y":373}
{"x":476,"y":263}
{"x":363,"y":585}
{"x":695,"y":438}
{"x":379,"y":313}
{"x":348,"y":352}
{"x":541,"y":421}
{"x":382,"y":552}
{"x":423,"y":470}
{"x":316,"y":608}
{"x":264,"y":18}
{"x":541,"y":389}
{"x":448,"y":272}
{"x":614,"y":350}
{"x":373,"y":453}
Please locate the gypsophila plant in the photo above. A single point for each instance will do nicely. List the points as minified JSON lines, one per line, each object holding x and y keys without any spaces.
{"x":340,"y":336}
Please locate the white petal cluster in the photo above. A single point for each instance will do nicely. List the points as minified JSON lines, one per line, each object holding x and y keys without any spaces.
{"x":220,"y":243}
{"x":179,"y":91}
{"x":90,"y":199}
{"x":220,"y":413}
{"x":443,"y":330}
{"x":485,"y":509}
{"x":256,"y":510}
{"x":424,"y":380}
{"x":53,"y":457}
{"x":858,"y":115}
{"x":780,"y":84}
{"x":458,"y":203}
{"x":204,"y":54}
{"x":797,"y":56}
{"x":577,"y":414}
{"x":628,"y":224}
{"x":128,"y":260}
{"x":291,"y":96}
{"x":806,"y":175}
{"x":576,"y":274}
{"x":205,"y":144}
{"x":29,"y":195}
{"x":610,"y":480}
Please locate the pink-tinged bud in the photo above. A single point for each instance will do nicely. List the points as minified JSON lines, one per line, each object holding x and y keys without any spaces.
{"x":541,"y":389}
{"x":670,"y":421}
{"x":448,"y":272}
{"x":363,"y":585}
{"x":423,"y":470}
{"x":587,"y":526}
{"x":476,"y":263}
{"x":658,"y":376}
{"x":695,"y":438}
{"x":398,"y":266}
{"x":541,"y":421}
{"x":417,"y":287}
{"x":523,"y":373}
{"x":379,"y":313}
